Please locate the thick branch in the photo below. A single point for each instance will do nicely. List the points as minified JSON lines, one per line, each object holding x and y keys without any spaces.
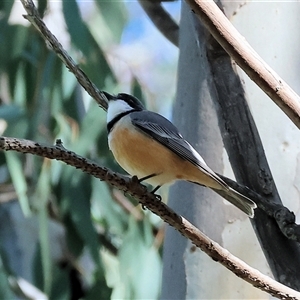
{"x":53,"y":43}
{"x":162,"y":20}
{"x":283,"y":216}
{"x":245,"y":151}
{"x":236,"y":46}
{"x":138,"y":191}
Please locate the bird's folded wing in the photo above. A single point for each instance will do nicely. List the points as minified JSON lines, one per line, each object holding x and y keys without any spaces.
{"x":163,"y":131}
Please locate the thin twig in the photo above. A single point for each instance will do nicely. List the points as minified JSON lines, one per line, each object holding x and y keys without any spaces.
{"x":138,"y":191}
{"x":34,"y":18}
{"x":162,"y":20}
{"x":245,"y":56}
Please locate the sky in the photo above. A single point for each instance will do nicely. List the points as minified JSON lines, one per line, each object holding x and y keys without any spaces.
{"x":151,"y":56}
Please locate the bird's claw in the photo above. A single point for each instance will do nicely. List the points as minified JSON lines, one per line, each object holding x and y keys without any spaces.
{"x":158,"y":197}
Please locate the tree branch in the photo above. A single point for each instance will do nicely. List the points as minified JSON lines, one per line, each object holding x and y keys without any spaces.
{"x":51,"y":41}
{"x":162,"y":20}
{"x":236,"y":46}
{"x":132,"y":186}
{"x":245,"y":152}
{"x":138,"y":191}
{"x":283,"y":216}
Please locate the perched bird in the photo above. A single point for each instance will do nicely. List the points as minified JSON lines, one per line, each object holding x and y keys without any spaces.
{"x":149,"y":146}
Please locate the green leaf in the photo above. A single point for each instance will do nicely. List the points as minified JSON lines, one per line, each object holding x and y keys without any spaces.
{"x":5,"y":8}
{"x":61,"y":289}
{"x":78,"y":195}
{"x":74,"y":240}
{"x":64,"y":129}
{"x":11,"y":113}
{"x":114,"y":14}
{"x":93,"y":124}
{"x":17,"y":128}
{"x":5,"y":290}
{"x":80,"y":214}
{"x":42,"y":5}
{"x":69,"y":83}
{"x":41,"y":197}
{"x":45,"y":249}
{"x":14,"y":40}
{"x":77,"y":192}
{"x":99,"y":291}
{"x":19,"y":39}
{"x":16,"y":172}
{"x":139,"y":263}
{"x":104,"y":208}
{"x":95,"y":64}
{"x":18,"y":84}
{"x":151,"y":262}
{"x":37,"y":269}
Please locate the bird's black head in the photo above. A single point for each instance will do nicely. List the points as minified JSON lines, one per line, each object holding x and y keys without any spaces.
{"x":132,"y":101}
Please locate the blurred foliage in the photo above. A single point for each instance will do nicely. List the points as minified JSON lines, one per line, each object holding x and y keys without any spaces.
{"x":107,"y":250}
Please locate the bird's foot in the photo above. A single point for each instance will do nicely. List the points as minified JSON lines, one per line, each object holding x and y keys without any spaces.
{"x":158,"y":197}
{"x":136,"y":179}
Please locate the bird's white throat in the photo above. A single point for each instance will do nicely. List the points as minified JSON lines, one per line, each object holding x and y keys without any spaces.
{"x":115,"y":108}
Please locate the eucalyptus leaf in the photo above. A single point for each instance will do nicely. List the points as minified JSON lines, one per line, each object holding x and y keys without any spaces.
{"x":93,"y":124}
{"x":61,"y":289}
{"x":95,"y":64}
{"x":42,"y":195}
{"x":17,"y":175}
{"x":99,"y":291}
{"x":11,"y":113}
{"x":139,"y":264}
{"x":42,"y":5}
{"x":115,"y":16}
{"x":5,"y":8}
{"x":5,"y":290}
{"x":107,"y":210}
{"x":77,"y":192}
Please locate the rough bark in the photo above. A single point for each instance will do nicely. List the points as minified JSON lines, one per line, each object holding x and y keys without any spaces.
{"x":249,"y":163}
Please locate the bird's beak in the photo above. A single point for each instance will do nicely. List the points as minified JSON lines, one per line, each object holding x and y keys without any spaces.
{"x":108,"y":96}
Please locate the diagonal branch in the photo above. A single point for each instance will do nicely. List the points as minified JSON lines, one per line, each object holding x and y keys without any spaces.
{"x":149,"y":200}
{"x":34,"y":18}
{"x":245,"y":152}
{"x":245,"y":56}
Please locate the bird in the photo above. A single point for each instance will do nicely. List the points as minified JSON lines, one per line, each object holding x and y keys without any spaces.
{"x":147,"y":145}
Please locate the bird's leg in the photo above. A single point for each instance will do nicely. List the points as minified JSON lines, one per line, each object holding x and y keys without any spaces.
{"x":155,"y":190}
{"x":135,"y":178}
{"x":147,"y":177}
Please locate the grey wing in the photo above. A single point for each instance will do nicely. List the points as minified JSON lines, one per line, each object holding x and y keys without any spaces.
{"x":163,"y":131}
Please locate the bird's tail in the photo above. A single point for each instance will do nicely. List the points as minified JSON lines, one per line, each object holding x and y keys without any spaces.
{"x":240,"y":201}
